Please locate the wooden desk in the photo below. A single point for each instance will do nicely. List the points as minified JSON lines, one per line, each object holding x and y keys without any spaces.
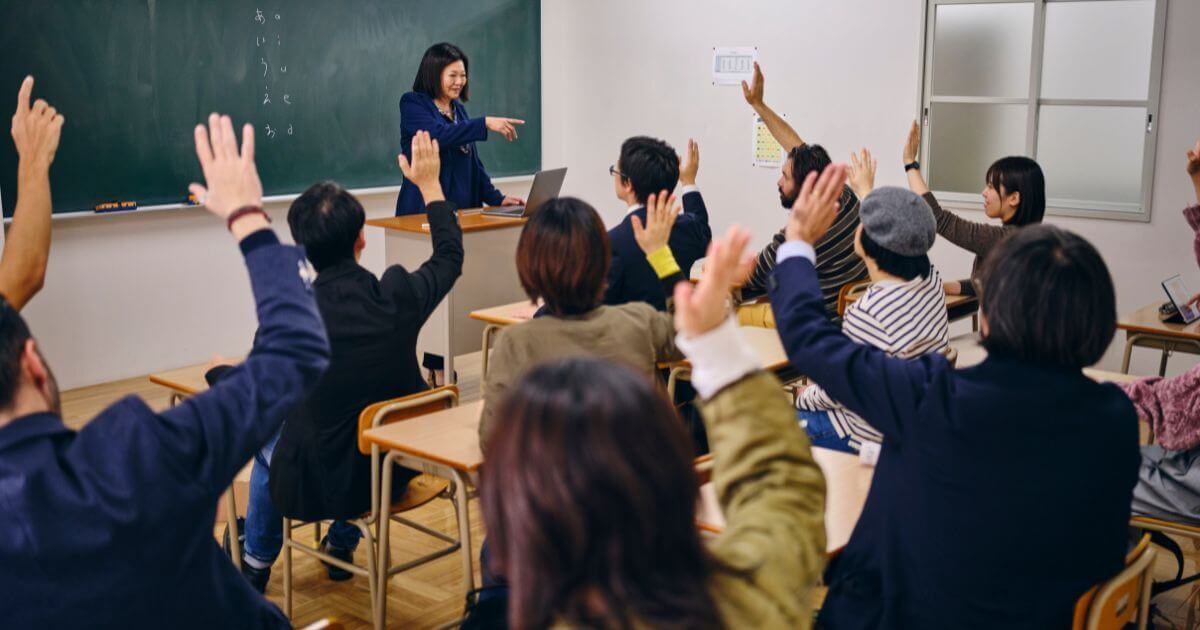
{"x":444,"y":444}
{"x":847,"y":482}
{"x":764,"y":342}
{"x":184,"y":382}
{"x":489,"y":275}
{"x":1143,"y":328}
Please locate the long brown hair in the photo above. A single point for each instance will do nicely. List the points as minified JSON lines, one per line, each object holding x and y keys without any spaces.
{"x":589,"y":496}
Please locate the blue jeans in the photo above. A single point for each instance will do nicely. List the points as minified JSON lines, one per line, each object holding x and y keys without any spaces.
{"x":264,"y":523}
{"x":821,"y":431}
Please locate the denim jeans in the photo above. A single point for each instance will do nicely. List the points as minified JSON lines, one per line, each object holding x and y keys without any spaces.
{"x":821,"y":431}
{"x":264,"y":523}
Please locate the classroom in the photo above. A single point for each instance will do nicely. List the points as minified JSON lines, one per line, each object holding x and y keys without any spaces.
{"x":635,"y":313}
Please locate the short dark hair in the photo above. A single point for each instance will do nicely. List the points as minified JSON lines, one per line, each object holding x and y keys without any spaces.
{"x":589,"y":493}
{"x":1020,"y":174}
{"x":326,"y":219}
{"x":907,"y":267}
{"x":563,"y":256}
{"x":807,"y":158}
{"x":1048,"y":298}
{"x":429,"y":75}
{"x":650,"y":165}
{"x":13,"y":335}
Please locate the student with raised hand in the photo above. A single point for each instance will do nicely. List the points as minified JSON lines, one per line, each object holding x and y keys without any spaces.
{"x":1014,"y":191}
{"x":645,"y":167}
{"x":837,"y":265}
{"x":970,"y":456}
{"x":111,"y":526}
{"x":35,"y":130}
{"x":590,"y":496}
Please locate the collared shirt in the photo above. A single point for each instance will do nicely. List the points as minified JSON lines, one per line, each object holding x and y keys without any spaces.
{"x":683,"y":190}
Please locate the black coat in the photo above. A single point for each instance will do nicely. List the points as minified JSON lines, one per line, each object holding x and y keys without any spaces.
{"x":630,"y":277}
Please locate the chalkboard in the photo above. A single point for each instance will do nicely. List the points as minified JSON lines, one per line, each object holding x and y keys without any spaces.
{"x":133,"y":78}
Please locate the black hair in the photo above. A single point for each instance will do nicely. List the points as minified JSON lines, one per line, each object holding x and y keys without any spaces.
{"x":13,"y":335}
{"x":1048,"y":298}
{"x":906,"y":267}
{"x":807,"y":158}
{"x":429,"y":75}
{"x":1019,"y":174}
{"x":326,"y":219}
{"x":650,"y":165}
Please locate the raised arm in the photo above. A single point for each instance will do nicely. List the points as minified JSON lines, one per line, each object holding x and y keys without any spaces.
{"x":35,"y":131}
{"x":693,"y":201}
{"x":780,"y":130}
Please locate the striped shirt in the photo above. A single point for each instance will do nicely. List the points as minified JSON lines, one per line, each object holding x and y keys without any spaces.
{"x":837,"y":264}
{"x":904,"y":319}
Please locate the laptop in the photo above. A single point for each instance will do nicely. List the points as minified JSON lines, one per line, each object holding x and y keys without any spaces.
{"x":546,"y":186}
{"x":1179,"y":297}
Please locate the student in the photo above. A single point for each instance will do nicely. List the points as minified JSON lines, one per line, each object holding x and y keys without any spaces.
{"x":562,"y":258}
{"x":590,"y":497}
{"x":647,"y":166}
{"x":111,"y":526}
{"x":1002,"y":491}
{"x":312,"y":470}
{"x":837,"y":265}
{"x":1014,"y":191}
{"x":35,"y":130}
{"x":1169,"y":478}
{"x":903,"y":313}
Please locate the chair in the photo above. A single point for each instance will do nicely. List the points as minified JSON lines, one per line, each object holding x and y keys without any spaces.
{"x":849,"y":293}
{"x":421,"y":490}
{"x":1121,"y":599}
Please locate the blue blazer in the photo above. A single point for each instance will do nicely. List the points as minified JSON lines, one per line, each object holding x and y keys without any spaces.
{"x":631,"y":278}
{"x":464,"y":181}
{"x":1002,"y":492}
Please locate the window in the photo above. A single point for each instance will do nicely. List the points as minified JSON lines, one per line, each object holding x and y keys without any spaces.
{"x":1073,"y":83}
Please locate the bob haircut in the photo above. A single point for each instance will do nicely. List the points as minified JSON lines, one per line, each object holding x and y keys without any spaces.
{"x":906,"y":267}
{"x":590,"y":496}
{"x":326,"y":219}
{"x":563,"y":256}
{"x":650,"y":165}
{"x":1048,"y":298}
{"x":429,"y":75}
{"x":1023,"y":175}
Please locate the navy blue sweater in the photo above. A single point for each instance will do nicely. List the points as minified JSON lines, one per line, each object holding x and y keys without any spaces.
{"x":1002,"y":492}
{"x":631,"y":278}
{"x":111,"y":526}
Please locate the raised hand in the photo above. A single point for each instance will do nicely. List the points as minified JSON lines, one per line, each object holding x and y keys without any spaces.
{"x":661,"y":212}
{"x":1193,"y":167}
{"x":754,"y":90}
{"x":231,"y":178}
{"x":426,"y":165}
{"x":506,"y":127}
{"x":862,"y":173}
{"x":36,"y":129}
{"x":913,"y":145}
{"x":690,"y":165}
{"x":817,"y":205}
{"x":703,"y":308}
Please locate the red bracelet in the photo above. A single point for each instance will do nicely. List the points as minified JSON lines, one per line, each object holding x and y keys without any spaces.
{"x":243,"y":211}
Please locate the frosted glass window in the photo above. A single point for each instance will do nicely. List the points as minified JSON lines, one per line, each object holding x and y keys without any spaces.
{"x":983,"y":49}
{"x":1092,"y":153}
{"x":1098,"y":50}
{"x":967,"y":138}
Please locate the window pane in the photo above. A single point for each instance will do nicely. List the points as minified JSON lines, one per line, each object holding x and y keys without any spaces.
{"x":982,"y":49}
{"x":967,"y":138}
{"x":1098,"y":49}
{"x":1092,"y":153}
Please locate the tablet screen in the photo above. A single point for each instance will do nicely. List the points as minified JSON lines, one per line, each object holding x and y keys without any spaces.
{"x":1179,"y":296}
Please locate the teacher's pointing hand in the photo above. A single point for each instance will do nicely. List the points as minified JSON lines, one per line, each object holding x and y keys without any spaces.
{"x":506,"y":127}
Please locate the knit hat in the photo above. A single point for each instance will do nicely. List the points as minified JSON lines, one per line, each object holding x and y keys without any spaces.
{"x":898,"y":220}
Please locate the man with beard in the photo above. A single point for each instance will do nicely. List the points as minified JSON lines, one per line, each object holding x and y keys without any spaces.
{"x":837,"y":265}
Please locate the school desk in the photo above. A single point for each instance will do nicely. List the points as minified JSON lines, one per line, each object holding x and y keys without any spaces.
{"x":1144,"y":329}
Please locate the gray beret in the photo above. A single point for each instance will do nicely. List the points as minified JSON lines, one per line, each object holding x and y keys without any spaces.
{"x":898,"y":220}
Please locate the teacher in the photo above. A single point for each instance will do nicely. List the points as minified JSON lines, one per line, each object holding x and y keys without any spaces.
{"x":435,"y":104}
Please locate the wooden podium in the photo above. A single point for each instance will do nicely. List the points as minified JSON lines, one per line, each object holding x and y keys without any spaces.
{"x":489,"y":276}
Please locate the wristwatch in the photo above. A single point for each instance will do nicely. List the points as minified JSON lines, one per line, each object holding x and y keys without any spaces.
{"x":913,"y":165}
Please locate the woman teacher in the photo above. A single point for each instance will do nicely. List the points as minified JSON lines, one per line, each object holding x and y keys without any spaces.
{"x":435,"y":104}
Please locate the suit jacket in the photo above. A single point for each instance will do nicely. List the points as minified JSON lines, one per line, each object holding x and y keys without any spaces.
{"x":464,"y":180}
{"x":111,"y":526}
{"x":1002,"y":492}
{"x":317,"y":471}
{"x":631,"y":278}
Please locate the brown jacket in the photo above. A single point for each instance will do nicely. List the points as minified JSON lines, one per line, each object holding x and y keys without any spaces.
{"x":978,"y":238}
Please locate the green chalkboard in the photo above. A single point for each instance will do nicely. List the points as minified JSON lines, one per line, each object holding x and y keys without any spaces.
{"x":133,"y":77}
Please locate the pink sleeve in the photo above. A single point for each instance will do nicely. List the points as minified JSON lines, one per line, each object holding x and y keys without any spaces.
{"x":1171,"y":406}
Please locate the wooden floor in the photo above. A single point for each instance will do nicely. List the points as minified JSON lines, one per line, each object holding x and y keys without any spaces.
{"x":431,"y":596}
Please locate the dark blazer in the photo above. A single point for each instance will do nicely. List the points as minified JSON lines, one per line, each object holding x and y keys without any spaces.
{"x":111,"y":526}
{"x":464,"y":180}
{"x":1002,"y":492}
{"x":317,"y":471}
{"x":631,"y":278}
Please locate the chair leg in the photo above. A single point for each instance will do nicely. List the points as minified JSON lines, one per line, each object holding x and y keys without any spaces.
{"x":287,"y":567}
{"x":464,"y":531}
{"x":235,"y":547}
{"x":317,"y":534}
{"x":378,"y":613}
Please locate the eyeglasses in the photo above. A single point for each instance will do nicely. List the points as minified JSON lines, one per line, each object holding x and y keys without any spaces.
{"x":612,"y":170}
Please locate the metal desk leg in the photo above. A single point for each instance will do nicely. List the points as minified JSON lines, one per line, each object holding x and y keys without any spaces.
{"x":462,"y":500}
{"x":673,"y":377}
{"x":383,"y":541}
{"x":488,"y":331}
{"x":1130,"y":341}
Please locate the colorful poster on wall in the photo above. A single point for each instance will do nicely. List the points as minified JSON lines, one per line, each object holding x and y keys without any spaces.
{"x":766,"y":150}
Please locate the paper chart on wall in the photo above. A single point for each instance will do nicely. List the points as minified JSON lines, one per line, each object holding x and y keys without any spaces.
{"x":766,"y":150}
{"x":733,"y":64}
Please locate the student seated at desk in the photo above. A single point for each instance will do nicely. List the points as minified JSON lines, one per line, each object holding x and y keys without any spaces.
{"x":111,"y":526}
{"x":645,"y":167}
{"x":903,"y":313}
{"x":1002,"y":491}
{"x":589,"y":494}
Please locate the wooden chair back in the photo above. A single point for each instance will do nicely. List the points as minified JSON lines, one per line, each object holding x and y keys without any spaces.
{"x":1121,"y":600}
{"x":404,"y":408}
